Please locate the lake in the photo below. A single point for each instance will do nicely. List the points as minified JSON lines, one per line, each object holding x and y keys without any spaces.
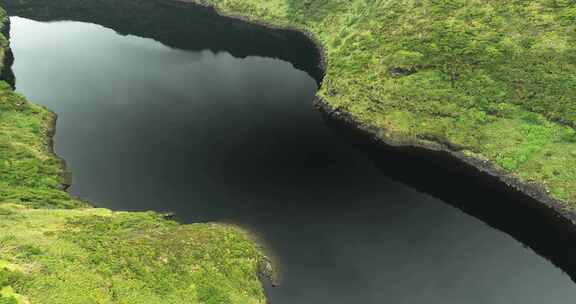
{"x":226,"y":131}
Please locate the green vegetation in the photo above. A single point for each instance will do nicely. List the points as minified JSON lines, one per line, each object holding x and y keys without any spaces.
{"x":494,"y":79}
{"x":56,"y":249}
{"x":99,"y":256}
{"x":29,"y":174}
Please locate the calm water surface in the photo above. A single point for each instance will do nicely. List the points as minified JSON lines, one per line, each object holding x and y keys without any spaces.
{"x":212,"y":137}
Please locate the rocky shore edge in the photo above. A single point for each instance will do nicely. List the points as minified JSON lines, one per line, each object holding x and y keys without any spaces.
{"x":556,"y":241}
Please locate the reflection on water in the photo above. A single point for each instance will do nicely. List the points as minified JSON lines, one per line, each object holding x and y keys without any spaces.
{"x":210,"y":136}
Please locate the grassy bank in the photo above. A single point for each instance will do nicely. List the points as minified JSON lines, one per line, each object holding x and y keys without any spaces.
{"x":56,"y":249}
{"x":492,"y":79}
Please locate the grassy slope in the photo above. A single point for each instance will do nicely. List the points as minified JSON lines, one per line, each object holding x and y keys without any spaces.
{"x":55,"y":249}
{"x":97,"y":256}
{"x":494,"y":79}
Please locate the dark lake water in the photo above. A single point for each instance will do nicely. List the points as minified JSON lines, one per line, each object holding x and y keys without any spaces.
{"x":213,"y":136}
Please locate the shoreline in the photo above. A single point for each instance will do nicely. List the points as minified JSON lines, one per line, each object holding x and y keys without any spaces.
{"x":322,"y":63}
{"x":548,"y":207}
{"x":534,"y":191}
{"x":535,"y":196}
{"x":469,"y":185}
{"x":265,"y":267}
{"x":65,"y":175}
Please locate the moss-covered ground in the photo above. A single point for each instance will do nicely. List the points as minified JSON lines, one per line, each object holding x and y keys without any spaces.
{"x":56,"y":249}
{"x":494,"y":79}
{"x":99,"y":256}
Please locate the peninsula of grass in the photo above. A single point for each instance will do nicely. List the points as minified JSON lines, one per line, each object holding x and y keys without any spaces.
{"x":55,"y":249}
{"x":490,"y":80}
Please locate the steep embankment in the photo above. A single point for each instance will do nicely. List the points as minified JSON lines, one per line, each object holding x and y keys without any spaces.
{"x":56,"y":249}
{"x":489,"y":82}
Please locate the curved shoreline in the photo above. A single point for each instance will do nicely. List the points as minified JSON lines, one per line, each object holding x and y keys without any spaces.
{"x":322,"y":63}
{"x":534,"y":191}
{"x":471,"y":186}
{"x":548,"y":204}
{"x":528,"y":195}
{"x":267,"y":269}
{"x":264,"y":267}
{"x":549,"y":207}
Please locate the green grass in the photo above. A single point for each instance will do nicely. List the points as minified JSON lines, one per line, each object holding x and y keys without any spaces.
{"x":29,"y":173}
{"x":99,"y":256}
{"x":56,"y":249}
{"x":496,"y":79}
